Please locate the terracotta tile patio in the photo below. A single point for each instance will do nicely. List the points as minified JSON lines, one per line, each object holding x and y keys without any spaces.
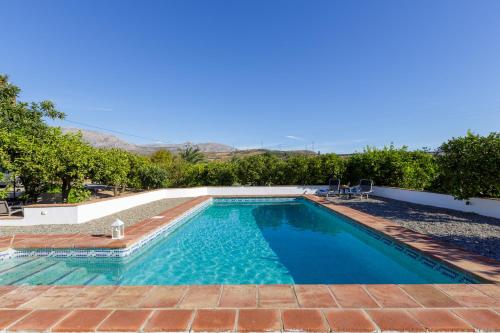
{"x":149,"y":314}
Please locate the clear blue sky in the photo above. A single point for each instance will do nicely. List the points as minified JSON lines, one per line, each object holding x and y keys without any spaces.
{"x":344,"y":74}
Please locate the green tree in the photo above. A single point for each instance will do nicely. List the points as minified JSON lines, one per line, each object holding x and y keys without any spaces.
{"x":74,"y":160}
{"x":35,"y":163}
{"x":192,"y":155}
{"x":175,"y":166}
{"x":153,"y":176}
{"x":391,"y":166}
{"x":112,"y":167}
{"x":470,"y":166}
{"x":219,"y":174}
{"x":24,"y":138}
{"x":162,"y":158}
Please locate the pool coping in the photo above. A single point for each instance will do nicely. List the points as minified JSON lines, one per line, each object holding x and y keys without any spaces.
{"x":251,"y":308}
{"x":136,"y":235}
{"x":487,"y":269}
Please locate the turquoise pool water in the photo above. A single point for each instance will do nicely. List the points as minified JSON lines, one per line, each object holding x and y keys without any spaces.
{"x":265,"y":241}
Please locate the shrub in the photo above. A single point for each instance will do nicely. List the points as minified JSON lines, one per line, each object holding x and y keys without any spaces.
{"x":470,"y":166}
{"x":112,"y":167}
{"x":78,"y":194}
{"x":392,"y":166}
{"x":152,"y":176}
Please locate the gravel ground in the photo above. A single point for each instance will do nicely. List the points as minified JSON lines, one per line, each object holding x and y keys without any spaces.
{"x":102,"y":225}
{"x":472,"y":232}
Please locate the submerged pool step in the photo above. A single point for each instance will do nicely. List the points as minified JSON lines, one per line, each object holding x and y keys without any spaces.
{"x":53,"y":274}
{"x":20,"y":269}
{"x":31,"y":274}
{"x":59,"y":278}
{"x":14,"y":265}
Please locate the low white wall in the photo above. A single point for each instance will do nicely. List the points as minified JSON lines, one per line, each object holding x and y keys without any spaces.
{"x":93,"y":210}
{"x":107,"y":207}
{"x":486,"y":207}
{"x":46,"y":215}
{"x":86,"y":212}
{"x":263,"y":190}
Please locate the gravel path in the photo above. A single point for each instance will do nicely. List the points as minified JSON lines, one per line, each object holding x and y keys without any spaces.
{"x":102,"y":225}
{"x":472,"y":232}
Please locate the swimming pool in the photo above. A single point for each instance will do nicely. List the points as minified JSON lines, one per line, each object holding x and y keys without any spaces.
{"x":247,"y":241}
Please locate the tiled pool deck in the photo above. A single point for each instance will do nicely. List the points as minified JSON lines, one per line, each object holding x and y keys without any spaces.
{"x":249,"y":308}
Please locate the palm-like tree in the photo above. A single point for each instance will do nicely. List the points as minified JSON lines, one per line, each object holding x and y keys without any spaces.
{"x":192,"y":154}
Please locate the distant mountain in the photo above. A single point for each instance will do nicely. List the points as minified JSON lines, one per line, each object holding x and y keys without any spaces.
{"x":105,"y":140}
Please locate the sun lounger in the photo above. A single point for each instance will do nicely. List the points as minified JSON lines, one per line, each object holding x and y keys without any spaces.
{"x":333,"y":189}
{"x":364,"y":188}
{"x":6,"y":210}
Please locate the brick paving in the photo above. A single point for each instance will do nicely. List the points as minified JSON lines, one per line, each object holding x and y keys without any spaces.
{"x":433,"y":308}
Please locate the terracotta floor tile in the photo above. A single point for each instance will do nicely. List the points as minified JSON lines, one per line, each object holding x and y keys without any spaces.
{"x":125,"y":321}
{"x":170,"y":321}
{"x":220,"y":320}
{"x":39,"y":320}
{"x":485,"y":320}
{"x":492,"y":290}
{"x":314,"y":296}
{"x":303,"y":320}
{"x":6,"y":289}
{"x":438,"y":320}
{"x":342,"y":320}
{"x":55,"y":298}
{"x":352,"y":296}
{"x":242,"y":296}
{"x":21,"y":295}
{"x":82,"y":321}
{"x":276,"y":296}
{"x":126,"y":297}
{"x":467,"y":295}
{"x":201,"y":297}
{"x":62,"y":291}
{"x":429,"y":296}
{"x":395,"y":320}
{"x":259,"y":320}
{"x":390,"y":296}
{"x":90,"y":297}
{"x":164,"y":297}
{"x":7,"y":317}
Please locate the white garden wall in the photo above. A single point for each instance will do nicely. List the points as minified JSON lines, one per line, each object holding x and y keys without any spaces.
{"x":486,"y":207}
{"x":74,"y":214}
{"x":81,"y":213}
{"x":263,"y":190}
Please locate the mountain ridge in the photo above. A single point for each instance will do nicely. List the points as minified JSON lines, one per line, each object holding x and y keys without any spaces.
{"x":106,"y":140}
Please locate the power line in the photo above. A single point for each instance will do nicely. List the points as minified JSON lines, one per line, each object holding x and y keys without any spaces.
{"x":115,"y":131}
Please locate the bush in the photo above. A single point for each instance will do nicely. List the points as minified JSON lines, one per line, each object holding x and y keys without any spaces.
{"x":470,"y":166}
{"x":391,"y":166}
{"x":209,"y":174}
{"x":152,"y":176}
{"x":78,"y":194}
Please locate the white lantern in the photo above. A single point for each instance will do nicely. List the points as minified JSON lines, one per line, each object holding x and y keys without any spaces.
{"x":118,"y":229}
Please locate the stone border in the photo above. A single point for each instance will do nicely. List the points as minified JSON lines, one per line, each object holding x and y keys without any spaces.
{"x":485,"y":268}
{"x":251,"y":308}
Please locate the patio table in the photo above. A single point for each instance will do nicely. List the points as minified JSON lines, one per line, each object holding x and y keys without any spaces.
{"x":344,"y":191}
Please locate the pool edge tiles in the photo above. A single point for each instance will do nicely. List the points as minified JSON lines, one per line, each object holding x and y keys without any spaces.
{"x":477,"y":269}
{"x":484,"y":269}
{"x":109,"y":252}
